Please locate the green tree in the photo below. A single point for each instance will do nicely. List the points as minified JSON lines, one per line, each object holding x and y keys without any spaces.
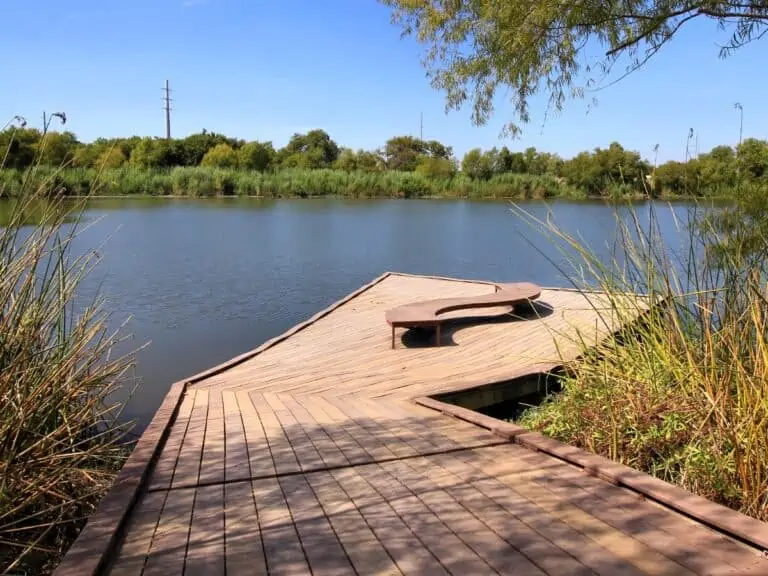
{"x":672,"y":178}
{"x":517,"y":163}
{"x":315,"y":149}
{"x":347,"y":161}
{"x":477,"y":165}
{"x":126,"y":144}
{"x":195,"y":146}
{"x":111,"y":158}
{"x":600,"y":172}
{"x":86,"y":156}
{"x":476,"y":47}
{"x":143,"y":154}
{"x":403,"y":153}
{"x":369,"y":161}
{"x":437,"y":149}
{"x":18,"y":147}
{"x":257,"y":156}
{"x":540,"y":162}
{"x":583,"y":172}
{"x":436,"y":167}
{"x":57,"y":148}
{"x":718,"y":170}
{"x":503,"y":161}
{"x":221,"y":156}
{"x":752,"y":157}
{"x":156,"y":153}
{"x":362,"y":160}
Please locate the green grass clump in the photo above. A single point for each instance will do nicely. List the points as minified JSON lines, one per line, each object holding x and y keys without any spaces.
{"x":683,"y":394}
{"x":60,"y":440}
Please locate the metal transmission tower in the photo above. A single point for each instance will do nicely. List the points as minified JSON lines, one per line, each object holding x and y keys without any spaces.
{"x":167,"y":107}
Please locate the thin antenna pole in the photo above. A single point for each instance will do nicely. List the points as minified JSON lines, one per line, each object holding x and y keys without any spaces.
{"x":697,"y":143}
{"x":167,"y":109}
{"x":421,"y":126}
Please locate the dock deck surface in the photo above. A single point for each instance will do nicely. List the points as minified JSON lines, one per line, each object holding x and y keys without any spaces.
{"x":311,"y":457}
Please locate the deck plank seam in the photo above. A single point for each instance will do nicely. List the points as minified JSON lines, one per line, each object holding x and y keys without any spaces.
{"x":386,"y":501}
{"x":592,"y":492}
{"x":276,"y":479}
{"x":445,"y":490}
{"x":388,"y":478}
{"x":194,"y":498}
{"x":286,"y":500}
{"x":521,"y":439}
{"x":181,"y":443}
{"x":237,"y":399}
{"x":452,"y":491}
{"x":322,"y":431}
{"x":535,"y":484}
{"x":355,"y":502}
{"x":534,"y":503}
{"x":149,"y":543}
{"x":380,"y":428}
{"x":474,"y":470}
{"x":406,"y":462}
{"x":279,"y":475}
{"x":314,"y":492}
{"x":189,"y":530}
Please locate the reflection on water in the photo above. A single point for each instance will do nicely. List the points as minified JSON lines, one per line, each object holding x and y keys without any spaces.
{"x":32,"y":212}
{"x":205,"y":280}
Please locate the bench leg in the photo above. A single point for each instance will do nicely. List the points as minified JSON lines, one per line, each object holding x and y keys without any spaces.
{"x":437,"y":334}
{"x":393,"y":337}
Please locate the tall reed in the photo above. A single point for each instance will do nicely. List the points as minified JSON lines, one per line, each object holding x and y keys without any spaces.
{"x":288,"y":183}
{"x":682,"y":395}
{"x":61,"y":440}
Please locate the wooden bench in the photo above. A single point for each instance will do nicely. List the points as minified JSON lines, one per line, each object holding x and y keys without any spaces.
{"x":430,"y":313}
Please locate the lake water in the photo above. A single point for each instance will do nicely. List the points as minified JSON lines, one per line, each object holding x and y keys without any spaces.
{"x":205,"y":280}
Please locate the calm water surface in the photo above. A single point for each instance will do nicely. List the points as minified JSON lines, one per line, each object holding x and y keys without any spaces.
{"x":205,"y":280}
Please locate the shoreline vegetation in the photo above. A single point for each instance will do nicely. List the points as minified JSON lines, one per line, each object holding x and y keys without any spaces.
{"x":313,"y":164}
{"x":61,"y":437}
{"x":683,"y":394}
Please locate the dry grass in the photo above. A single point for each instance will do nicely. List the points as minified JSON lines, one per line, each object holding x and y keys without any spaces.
{"x":60,"y":440}
{"x":683,"y":395}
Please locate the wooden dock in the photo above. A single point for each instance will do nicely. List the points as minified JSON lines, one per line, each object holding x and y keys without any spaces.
{"x":322,"y":452}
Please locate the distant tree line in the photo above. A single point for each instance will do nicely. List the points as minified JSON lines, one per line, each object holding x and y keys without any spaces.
{"x":607,"y":171}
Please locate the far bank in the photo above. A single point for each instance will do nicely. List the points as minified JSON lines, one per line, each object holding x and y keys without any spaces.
{"x":297,"y":183}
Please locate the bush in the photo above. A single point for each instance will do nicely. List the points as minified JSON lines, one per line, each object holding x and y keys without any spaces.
{"x":256,"y":156}
{"x":220,"y":156}
{"x":111,"y":158}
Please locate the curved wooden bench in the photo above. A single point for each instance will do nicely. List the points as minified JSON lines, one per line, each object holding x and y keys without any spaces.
{"x":427,"y":313}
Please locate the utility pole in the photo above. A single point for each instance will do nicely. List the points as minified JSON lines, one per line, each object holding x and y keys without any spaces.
{"x":421,"y":126}
{"x":167,"y":99}
{"x":688,"y":145}
{"x":740,"y":108}
{"x":697,"y":143}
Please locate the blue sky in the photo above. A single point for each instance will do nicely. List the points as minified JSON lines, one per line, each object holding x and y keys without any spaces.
{"x":264,"y":69}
